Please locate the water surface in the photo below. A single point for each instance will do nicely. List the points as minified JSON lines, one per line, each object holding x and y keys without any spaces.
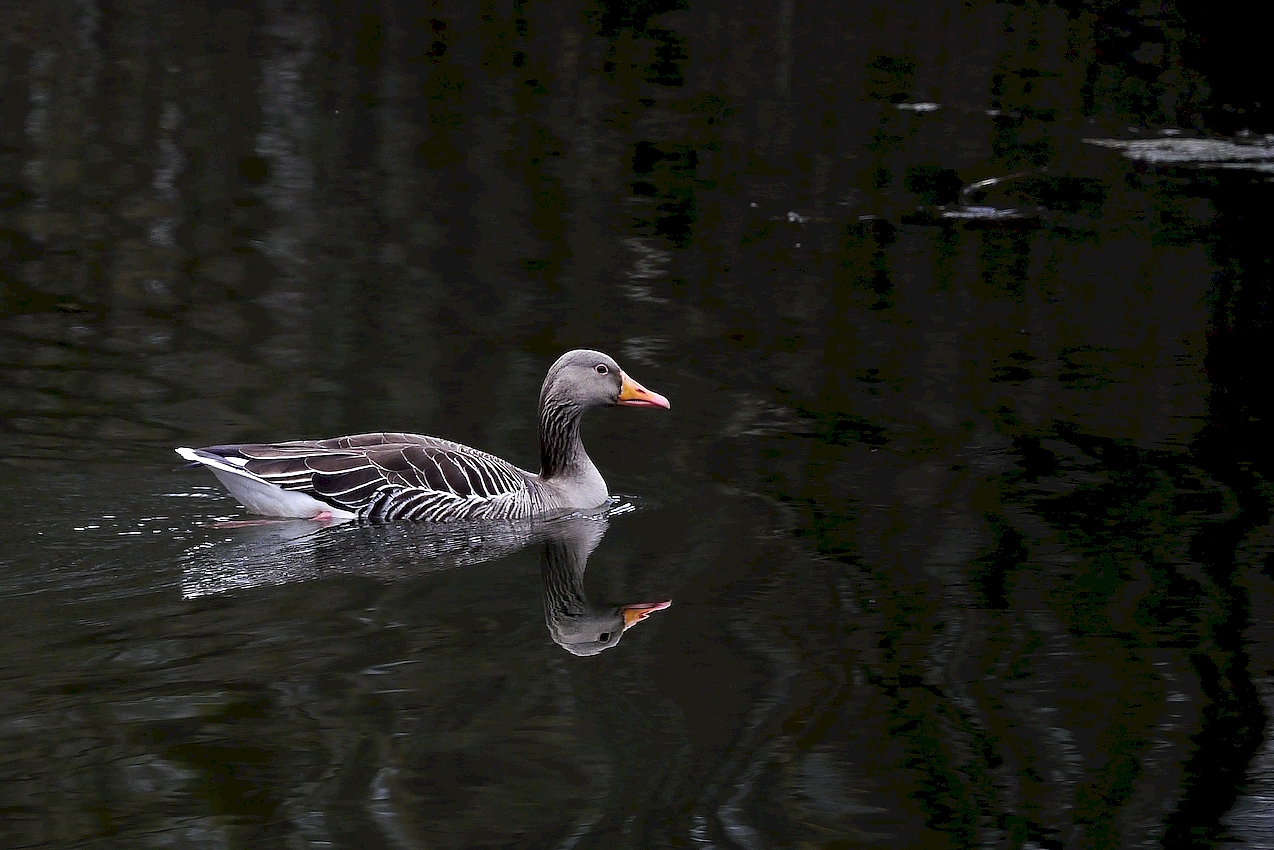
{"x":961,"y":505}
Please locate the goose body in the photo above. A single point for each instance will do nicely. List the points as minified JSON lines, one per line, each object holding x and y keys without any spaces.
{"x":391,"y":476}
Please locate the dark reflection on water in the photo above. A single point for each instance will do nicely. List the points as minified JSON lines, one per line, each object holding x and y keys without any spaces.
{"x":277,"y":552}
{"x":963,"y":499}
{"x":272,"y":552}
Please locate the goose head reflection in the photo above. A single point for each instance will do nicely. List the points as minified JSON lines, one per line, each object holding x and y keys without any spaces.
{"x":577,"y":625}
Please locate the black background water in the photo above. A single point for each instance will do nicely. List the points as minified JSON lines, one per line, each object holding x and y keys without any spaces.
{"x":962,"y":502}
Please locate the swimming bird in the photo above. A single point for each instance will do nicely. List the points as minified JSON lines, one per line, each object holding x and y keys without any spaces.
{"x":575,"y":624}
{"x":391,"y":476}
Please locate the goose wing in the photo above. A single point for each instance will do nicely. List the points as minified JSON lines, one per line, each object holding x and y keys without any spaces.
{"x":391,"y":476}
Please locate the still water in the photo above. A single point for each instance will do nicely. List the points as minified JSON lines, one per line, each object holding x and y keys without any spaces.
{"x":962,"y":505}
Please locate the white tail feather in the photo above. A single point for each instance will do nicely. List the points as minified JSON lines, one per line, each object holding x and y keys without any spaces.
{"x":258,"y":495}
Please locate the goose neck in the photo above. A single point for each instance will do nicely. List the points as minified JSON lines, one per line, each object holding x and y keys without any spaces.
{"x":561,"y":449}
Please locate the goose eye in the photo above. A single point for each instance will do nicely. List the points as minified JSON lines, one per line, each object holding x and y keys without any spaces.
{"x":604,"y":636}
{"x":601,"y":369}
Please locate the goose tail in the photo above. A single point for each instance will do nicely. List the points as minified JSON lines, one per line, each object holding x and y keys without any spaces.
{"x":255,"y":493}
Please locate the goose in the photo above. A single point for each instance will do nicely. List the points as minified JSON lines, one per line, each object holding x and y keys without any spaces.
{"x":575,"y":624}
{"x":391,"y":476}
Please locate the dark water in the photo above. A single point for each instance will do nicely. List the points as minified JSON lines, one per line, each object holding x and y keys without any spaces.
{"x":963,"y":502}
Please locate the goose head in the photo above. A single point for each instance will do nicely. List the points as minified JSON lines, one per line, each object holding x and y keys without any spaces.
{"x":585,"y":379}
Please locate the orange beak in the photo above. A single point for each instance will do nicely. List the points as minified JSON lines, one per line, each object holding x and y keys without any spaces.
{"x":638,"y":611}
{"x":633,"y":394}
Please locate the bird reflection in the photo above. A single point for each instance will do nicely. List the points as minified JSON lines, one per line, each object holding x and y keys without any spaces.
{"x":575,"y":624}
{"x":295,"y":552}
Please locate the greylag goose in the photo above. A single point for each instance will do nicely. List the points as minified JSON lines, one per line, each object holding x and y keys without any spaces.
{"x":575,"y":624}
{"x":407,"y":476}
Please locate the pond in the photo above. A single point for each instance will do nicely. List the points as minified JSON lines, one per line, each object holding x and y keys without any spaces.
{"x":957,"y":532}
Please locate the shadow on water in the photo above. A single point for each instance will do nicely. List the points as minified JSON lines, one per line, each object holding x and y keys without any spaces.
{"x":964,"y":310}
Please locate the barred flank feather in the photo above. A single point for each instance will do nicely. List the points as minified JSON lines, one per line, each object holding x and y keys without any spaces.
{"x":395,"y":476}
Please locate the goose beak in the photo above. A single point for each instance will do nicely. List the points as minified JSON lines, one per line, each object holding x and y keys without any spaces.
{"x":633,"y":394}
{"x":638,"y":611}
